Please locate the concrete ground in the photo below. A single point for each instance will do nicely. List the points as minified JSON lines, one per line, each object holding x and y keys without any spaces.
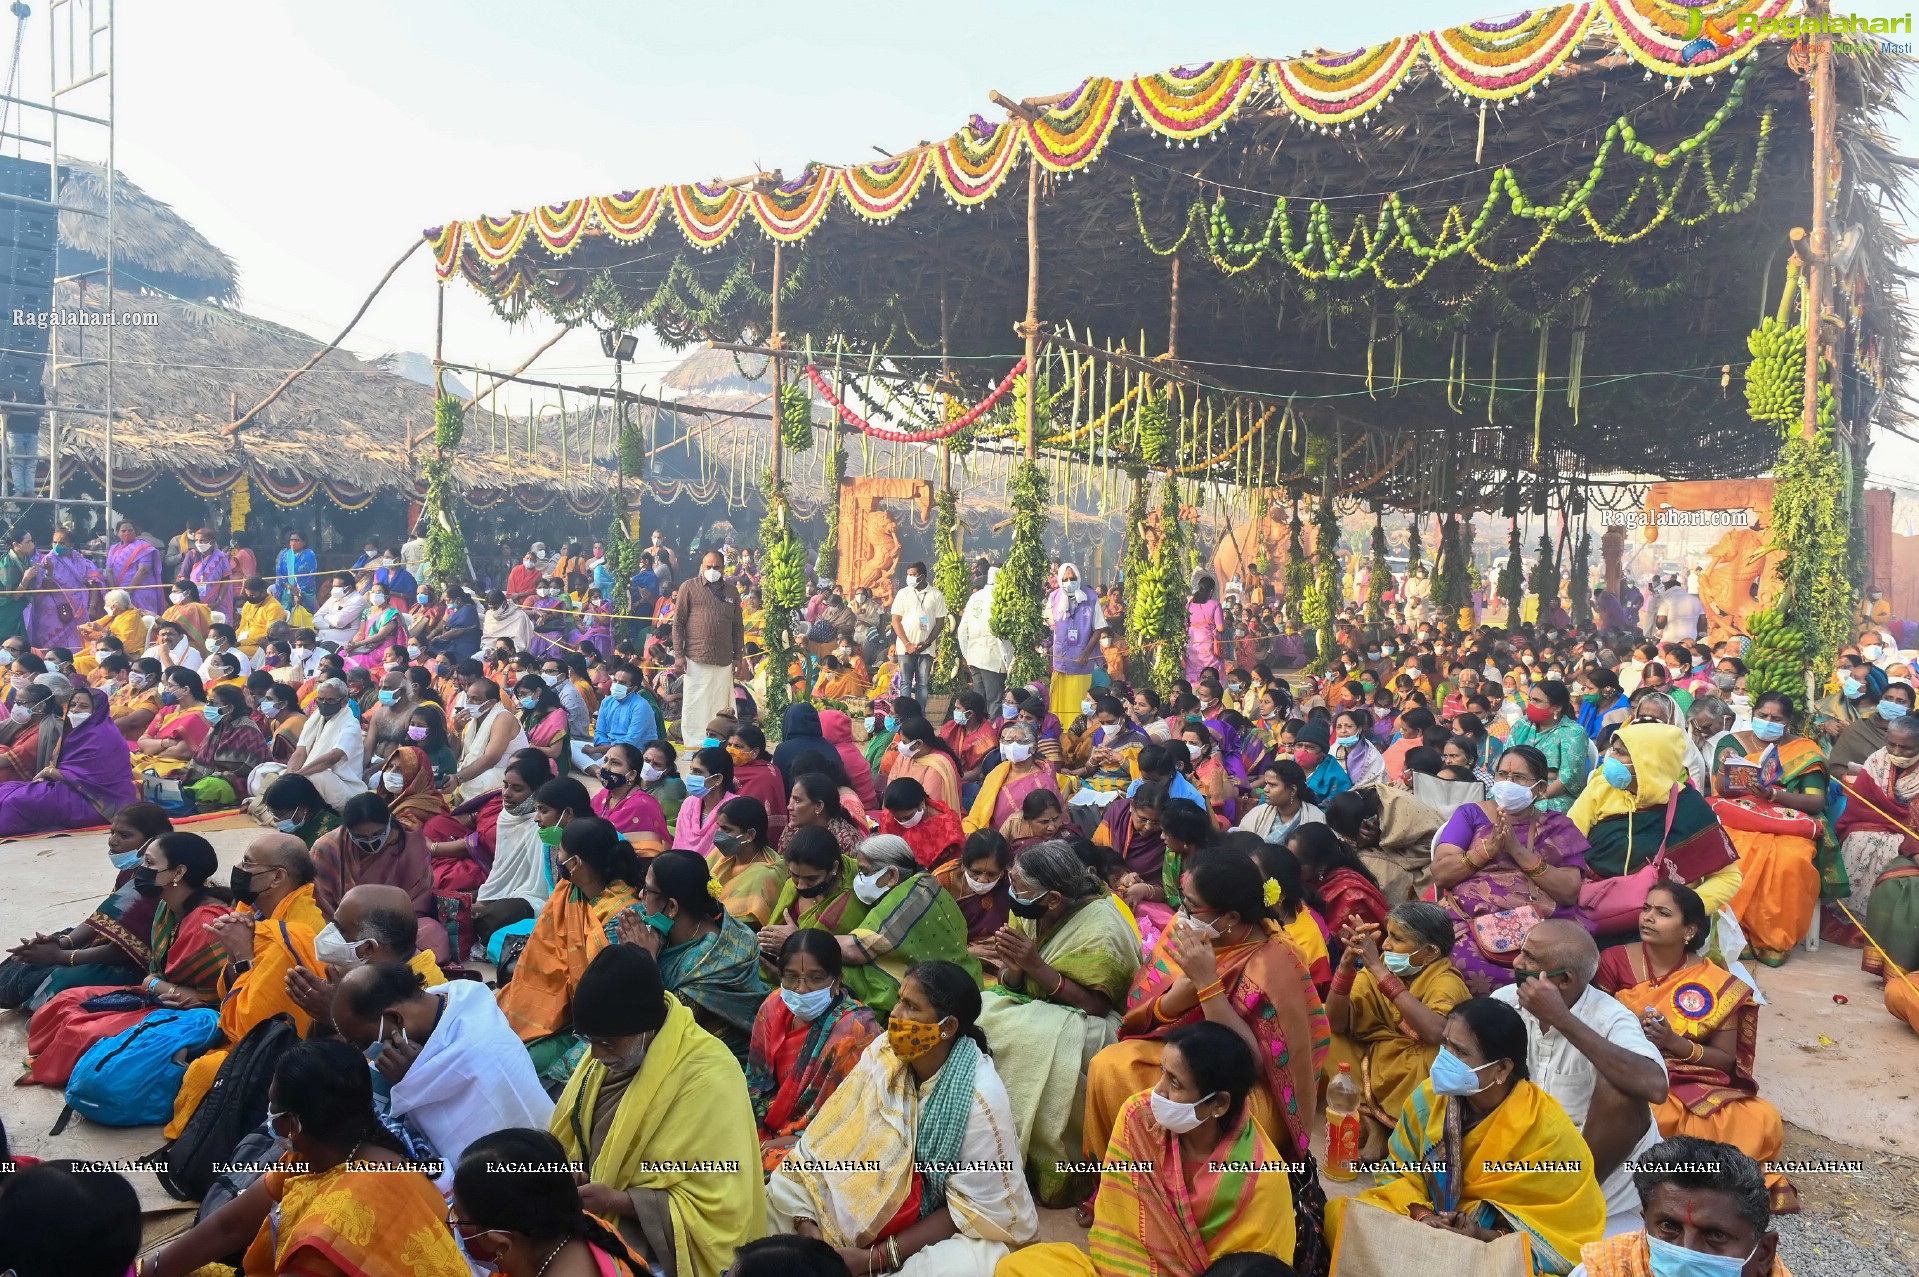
{"x":1842,"y":1073}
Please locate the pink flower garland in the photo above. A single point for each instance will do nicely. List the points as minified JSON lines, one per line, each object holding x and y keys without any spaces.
{"x":946,"y":431}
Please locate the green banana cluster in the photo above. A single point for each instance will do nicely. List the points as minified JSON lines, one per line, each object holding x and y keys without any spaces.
{"x":1776,"y":659}
{"x":796,"y":417}
{"x":1776,"y":377}
{"x":784,"y":582}
{"x":1157,"y":438}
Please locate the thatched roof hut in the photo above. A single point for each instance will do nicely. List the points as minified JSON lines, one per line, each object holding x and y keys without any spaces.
{"x":158,"y":249}
{"x":182,"y":376}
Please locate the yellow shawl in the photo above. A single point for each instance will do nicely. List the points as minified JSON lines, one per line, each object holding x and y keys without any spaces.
{"x":1502,"y":1177}
{"x":1659,"y":762}
{"x":685,"y":1128}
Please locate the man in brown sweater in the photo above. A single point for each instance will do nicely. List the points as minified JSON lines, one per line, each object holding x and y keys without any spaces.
{"x":709,"y":644}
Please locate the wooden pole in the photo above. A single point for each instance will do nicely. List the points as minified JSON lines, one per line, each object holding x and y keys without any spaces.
{"x":1030,"y":329}
{"x":946,"y":374}
{"x":1172,"y":318}
{"x":777,"y":342}
{"x":1819,"y":264}
{"x":439,"y":339}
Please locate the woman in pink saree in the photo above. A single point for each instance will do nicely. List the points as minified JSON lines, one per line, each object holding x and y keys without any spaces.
{"x":1204,"y":621}
{"x":207,"y":566}
{"x":134,"y":565}
{"x":90,"y":780}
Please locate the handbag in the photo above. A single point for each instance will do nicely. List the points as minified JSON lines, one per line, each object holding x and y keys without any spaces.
{"x":121,"y":1000}
{"x":1376,"y":1242}
{"x":1612,"y":905}
{"x":1499,"y":933}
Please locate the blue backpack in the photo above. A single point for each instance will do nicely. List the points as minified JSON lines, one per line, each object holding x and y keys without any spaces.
{"x":130,"y":1079}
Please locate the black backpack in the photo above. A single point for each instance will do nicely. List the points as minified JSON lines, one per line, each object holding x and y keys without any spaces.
{"x":233,"y":1109}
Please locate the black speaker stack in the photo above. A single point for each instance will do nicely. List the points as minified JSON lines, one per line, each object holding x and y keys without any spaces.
{"x":29,"y":242}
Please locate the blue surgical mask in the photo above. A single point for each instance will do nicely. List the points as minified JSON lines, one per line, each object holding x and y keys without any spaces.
{"x":1668,"y":1259}
{"x":423,"y":598}
{"x":211,"y":713}
{"x":695,"y":784}
{"x":1009,"y":712}
{"x":892,"y":723}
{"x":712,"y":742}
{"x":1617,"y":774}
{"x":619,"y":691}
{"x":1398,"y":963}
{"x":1852,"y":688}
{"x":286,"y":826}
{"x":1453,"y":1076}
{"x":1345,"y":742}
{"x":168,"y":697}
{"x":808,"y":1006}
{"x":1766,"y":729}
{"x":660,"y":922}
{"x":388,"y":696}
{"x":1890,"y":710}
{"x":126,"y":860}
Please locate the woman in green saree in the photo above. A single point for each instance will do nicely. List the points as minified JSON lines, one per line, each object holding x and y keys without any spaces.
{"x":706,"y":956}
{"x":909,"y":919}
{"x":1065,"y":960}
{"x":818,"y":892}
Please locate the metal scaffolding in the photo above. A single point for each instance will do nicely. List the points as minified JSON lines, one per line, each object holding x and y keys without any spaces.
{"x":79,"y":40}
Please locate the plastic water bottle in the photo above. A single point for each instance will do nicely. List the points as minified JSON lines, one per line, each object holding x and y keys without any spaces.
{"x":1342,"y":1125}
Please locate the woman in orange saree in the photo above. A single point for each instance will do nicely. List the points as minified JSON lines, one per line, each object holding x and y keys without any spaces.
{"x":1771,"y":787}
{"x":343,"y":1203}
{"x":1226,"y":961}
{"x":1705,"y":1023}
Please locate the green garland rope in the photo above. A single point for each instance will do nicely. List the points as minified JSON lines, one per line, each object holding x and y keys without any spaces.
{"x":955,"y":585}
{"x":445,"y":545}
{"x":1381,"y":572}
{"x":1512,"y":577}
{"x":1019,"y":595}
{"x":782,"y":591}
{"x":1579,"y":582}
{"x":1544,"y":581}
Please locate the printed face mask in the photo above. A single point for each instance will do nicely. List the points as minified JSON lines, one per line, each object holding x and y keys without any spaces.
{"x":911,"y":1039}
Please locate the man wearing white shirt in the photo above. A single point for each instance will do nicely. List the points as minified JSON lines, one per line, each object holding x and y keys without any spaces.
{"x":170,"y":647}
{"x":1589,"y":1052}
{"x":919,"y":613}
{"x":1678,"y":613}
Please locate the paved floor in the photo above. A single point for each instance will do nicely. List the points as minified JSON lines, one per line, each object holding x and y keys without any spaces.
{"x":1841,"y":1071}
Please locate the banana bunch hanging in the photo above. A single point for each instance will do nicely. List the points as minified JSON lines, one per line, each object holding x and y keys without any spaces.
{"x":1776,"y":659}
{"x":1776,"y":377}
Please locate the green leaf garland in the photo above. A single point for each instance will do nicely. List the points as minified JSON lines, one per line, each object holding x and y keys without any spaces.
{"x":1019,"y":595}
{"x":955,"y":585}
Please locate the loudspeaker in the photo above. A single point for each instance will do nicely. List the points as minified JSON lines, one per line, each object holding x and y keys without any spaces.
{"x":29,"y":246}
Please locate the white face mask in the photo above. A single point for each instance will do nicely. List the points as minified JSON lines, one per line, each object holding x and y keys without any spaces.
{"x":907,"y":822}
{"x":335,"y":950}
{"x":78,"y":717}
{"x":1176,"y":1115}
{"x":1016,"y":751}
{"x":178,"y":596}
{"x":913,"y":580}
{"x":339,"y":592}
{"x":393,"y":781}
{"x":712,"y":576}
{"x":867,"y":887}
{"x":651,"y":774}
{"x":977,"y":887}
{"x":1512,"y":796}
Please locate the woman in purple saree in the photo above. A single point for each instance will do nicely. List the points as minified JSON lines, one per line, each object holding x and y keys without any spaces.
{"x":134,"y":565}
{"x":90,"y":780}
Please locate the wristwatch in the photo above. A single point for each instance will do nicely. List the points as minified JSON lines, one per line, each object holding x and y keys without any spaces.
{"x":240,"y":965}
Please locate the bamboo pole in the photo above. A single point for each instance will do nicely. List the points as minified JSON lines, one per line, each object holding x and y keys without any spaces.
{"x":775,"y":341}
{"x":1819,"y":272}
{"x":1172,"y":314}
{"x":1030,"y":329}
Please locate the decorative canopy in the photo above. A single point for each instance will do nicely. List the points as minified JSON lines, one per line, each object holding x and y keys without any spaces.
{"x":1430,"y":271}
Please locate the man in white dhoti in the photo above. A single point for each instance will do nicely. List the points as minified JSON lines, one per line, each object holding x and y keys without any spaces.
{"x":330,"y":746}
{"x":709,"y":645}
{"x":455,"y":1068}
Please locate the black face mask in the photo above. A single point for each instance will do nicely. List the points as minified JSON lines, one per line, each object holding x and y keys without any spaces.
{"x":1032,"y":910}
{"x":143,"y":880}
{"x":241,"y":884}
{"x":819,"y":888}
{"x":613,"y":780}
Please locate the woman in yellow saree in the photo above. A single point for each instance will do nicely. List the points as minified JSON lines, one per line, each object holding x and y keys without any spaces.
{"x":1509,"y":1158}
{"x":1179,"y":1190}
{"x":352,"y":1208}
{"x":1771,"y":787}
{"x":1387,"y":1027}
{"x":599,"y":879}
{"x":1065,"y":961}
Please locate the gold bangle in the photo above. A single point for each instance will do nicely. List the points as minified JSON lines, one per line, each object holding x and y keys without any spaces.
{"x":1215,"y":989}
{"x":1697,"y":1053}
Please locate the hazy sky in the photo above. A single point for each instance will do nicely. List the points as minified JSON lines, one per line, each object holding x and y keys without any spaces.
{"x":314,"y":142}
